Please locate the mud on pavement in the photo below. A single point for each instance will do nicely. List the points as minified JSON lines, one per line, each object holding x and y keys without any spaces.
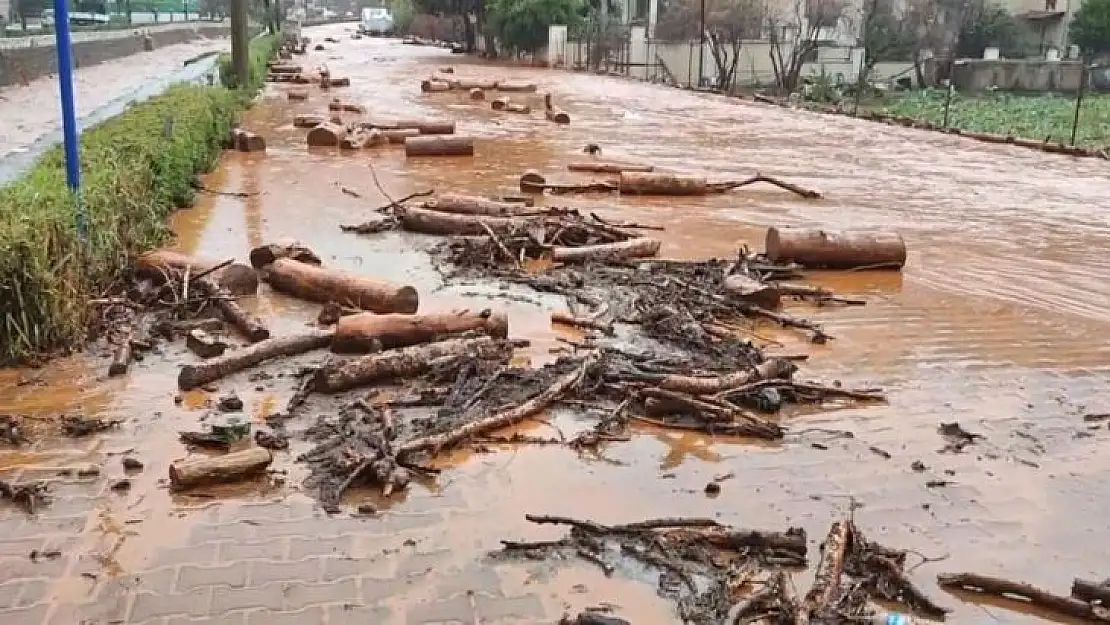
{"x":995,"y":324}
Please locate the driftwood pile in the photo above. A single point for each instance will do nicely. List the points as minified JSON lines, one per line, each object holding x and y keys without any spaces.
{"x":717,"y":573}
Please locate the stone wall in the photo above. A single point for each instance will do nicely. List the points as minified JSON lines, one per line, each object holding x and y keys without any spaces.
{"x":22,"y":65}
{"x":1015,"y":75}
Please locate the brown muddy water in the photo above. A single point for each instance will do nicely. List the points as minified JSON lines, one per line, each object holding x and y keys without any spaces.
{"x":998,"y":322}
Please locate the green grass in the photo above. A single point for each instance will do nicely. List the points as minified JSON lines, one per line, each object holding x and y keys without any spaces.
{"x":1027,"y":116}
{"x":136,"y":169}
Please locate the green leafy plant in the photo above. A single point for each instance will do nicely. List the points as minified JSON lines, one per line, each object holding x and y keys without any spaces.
{"x":522,"y":25}
{"x":1090,"y":28}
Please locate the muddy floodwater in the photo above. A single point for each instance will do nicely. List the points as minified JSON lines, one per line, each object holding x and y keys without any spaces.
{"x":999,"y":322}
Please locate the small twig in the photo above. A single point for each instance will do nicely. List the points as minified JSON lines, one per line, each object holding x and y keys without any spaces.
{"x":239,"y":194}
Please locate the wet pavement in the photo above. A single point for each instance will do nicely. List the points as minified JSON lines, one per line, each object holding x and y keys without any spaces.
{"x":998,"y":322}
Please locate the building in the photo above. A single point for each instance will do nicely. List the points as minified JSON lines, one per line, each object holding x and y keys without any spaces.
{"x":1048,"y":20}
{"x":5,"y":11}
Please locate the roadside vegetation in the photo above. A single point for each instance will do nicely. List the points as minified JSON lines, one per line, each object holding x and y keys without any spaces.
{"x":136,"y":169}
{"x":1048,"y":116}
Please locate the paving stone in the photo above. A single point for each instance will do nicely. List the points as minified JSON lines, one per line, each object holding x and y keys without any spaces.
{"x":158,"y":581}
{"x":212,"y":533}
{"x":149,"y":605}
{"x":66,"y":526}
{"x":495,"y":608}
{"x":265,"y":571}
{"x":234,"y":618}
{"x":9,"y":592}
{"x":34,"y":591}
{"x":20,"y":548}
{"x":420,"y":563}
{"x":454,"y":610}
{"x":20,"y":567}
{"x":205,"y":553}
{"x":374,"y":590}
{"x":301,"y":548}
{"x":227,"y":599}
{"x":348,"y":614}
{"x":342,"y":567}
{"x":311,"y":616}
{"x":267,"y":550}
{"x":190,"y":577}
{"x":298,"y":596}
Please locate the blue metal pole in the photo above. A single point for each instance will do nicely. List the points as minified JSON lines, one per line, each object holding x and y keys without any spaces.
{"x":70,"y":133}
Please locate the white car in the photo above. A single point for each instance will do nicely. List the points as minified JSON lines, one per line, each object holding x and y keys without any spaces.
{"x":376,"y":21}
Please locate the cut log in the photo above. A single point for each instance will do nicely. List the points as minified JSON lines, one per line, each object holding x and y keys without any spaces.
{"x":434,"y":86}
{"x":752,"y":291}
{"x":404,"y":362}
{"x":465,"y":84}
{"x":398,"y":135}
{"x":368,"y":332}
{"x":326,"y":135}
{"x":447,"y":70}
{"x":231,"y":467}
{"x":446,"y":224}
{"x":532,"y":181}
{"x":286,"y":69}
{"x":436,"y":128}
{"x":650,"y":183}
{"x":439,"y":146}
{"x":513,"y":107}
{"x":121,"y":355}
{"x":640,"y":247}
{"x":156,"y":265}
{"x":322,"y":285}
{"x":425,"y":126}
{"x":844,"y":249}
{"x":192,"y":376}
{"x":249,"y":325}
{"x":558,"y":116}
{"x":472,"y":205}
{"x":820,"y":599}
{"x":504,"y":418}
{"x":1026,"y":593}
{"x":335,"y":81}
{"x":204,"y":344}
{"x":477,"y":94}
{"x":516,"y":87}
{"x":775,"y":368}
{"x":308,"y":121}
{"x":601,"y":167}
{"x":1091,"y":592}
{"x":247,"y":141}
{"x":499,"y":104}
{"x":265,"y":254}
{"x":360,"y":139}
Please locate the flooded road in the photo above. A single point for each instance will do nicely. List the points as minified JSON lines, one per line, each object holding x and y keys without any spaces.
{"x":998,"y":322}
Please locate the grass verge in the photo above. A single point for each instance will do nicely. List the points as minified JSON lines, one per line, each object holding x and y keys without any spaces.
{"x":136,"y":168}
{"x":1026,"y":116}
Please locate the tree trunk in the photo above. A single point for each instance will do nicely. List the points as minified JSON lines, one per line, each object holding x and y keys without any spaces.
{"x":263,"y":255}
{"x":326,"y":135}
{"x":193,"y":376}
{"x":249,"y":325}
{"x":317,"y":284}
{"x":231,"y":467}
{"x":434,"y":86}
{"x":405,"y":362}
{"x":607,"y":252}
{"x":368,"y":332}
{"x":826,"y":580}
{"x":439,"y":146}
{"x":399,"y":135}
{"x":424,"y":126}
{"x":772,"y":369}
{"x":472,"y":205}
{"x":647,"y":183}
{"x":844,"y":249}
{"x":516,"y":87}
{"x":1005,"y":588}
{"x":601,"y":167}
{"x":752,"y":291}
{"x":446,"y":224}
{"x":157,"y":265}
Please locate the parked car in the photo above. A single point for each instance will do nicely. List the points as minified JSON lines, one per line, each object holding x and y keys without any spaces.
{"x":376,"y":21}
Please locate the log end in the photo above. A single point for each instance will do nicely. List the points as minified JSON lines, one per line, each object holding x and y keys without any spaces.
{"x":188,"y":378}
{"x":239,"y":279}
{"x":531,"y":180}
{"x":406,"y":300}
{"x":497,"y":325}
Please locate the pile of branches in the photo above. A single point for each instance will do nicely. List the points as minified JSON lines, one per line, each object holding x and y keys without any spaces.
{"x":719,"y":574}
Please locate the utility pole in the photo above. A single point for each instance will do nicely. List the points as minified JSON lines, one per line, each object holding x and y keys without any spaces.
{"x":701,"y":46}
{"x":240,"y":43}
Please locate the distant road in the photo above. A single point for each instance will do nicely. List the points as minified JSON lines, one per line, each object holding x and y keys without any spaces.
{"x":13,"y":43}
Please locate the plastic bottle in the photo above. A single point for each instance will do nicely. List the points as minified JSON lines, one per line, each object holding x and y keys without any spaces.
{"x":883,"y":617}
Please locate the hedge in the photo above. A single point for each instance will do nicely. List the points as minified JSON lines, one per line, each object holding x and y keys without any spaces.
{"x":136,"y":169}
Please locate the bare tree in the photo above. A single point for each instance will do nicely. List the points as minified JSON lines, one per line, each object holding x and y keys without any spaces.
{"x":795,"y":30}
{"x":728,"y":23}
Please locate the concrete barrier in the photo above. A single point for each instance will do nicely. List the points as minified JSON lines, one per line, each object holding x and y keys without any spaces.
{"x":21,"y":65}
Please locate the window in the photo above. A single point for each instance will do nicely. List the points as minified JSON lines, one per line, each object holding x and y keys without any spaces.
{"x":1049,"y":5}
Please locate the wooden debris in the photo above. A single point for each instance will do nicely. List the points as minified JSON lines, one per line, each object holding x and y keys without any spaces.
{"x":752,"y":291}
{"x":319,"y":284}
{"x":326,"y":135}
{"x":1027,"y":593}
{"x":552,"y":113}
{"x":516,"y":87}
{"x":369,"y":332}
{"x":1091,"y":592}
{"x":204,"y":344}
{"x":602,"y":167}
{"x":607,"y":252}
{"x":819,"y":601}
{"x":439,"y":146}
{"x":434,"y":86}
{"x":198,"y":374}
{"x":232,"y":467}
{"x":247,"y":324}
{"x":308,"y":120}
{"x":263,"y":255}
{"x":845,"y":249}
{"x":472,"y":205}
{"x":651,"y":183}
{"x":246,"y":141}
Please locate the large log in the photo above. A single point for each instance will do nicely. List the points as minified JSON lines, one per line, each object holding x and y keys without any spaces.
{"x":446,"y":224}
{"x":552,"y":113}
{"x":434,"y":86}
{"x":1091,"y":592}
{"x":425,"y":126}
{"x":265,"y":254}
{"x":640,"y":247}
{"x":775,"y":368}
{"x":1026,"y":593}
{"x":477,"y":94}
{"x":820,"y":600}
{"x":367,"y":332}
{"x":398,"y":135}
{"x":516,"y":87}
{"x":326,"y":135}
{"x":362,"y":138}
{"x":231,"y":467}
{"x":499,"y":104}
{"x":404,"y":362}
{"x":199,"y":374}
{"x":601,"y":167}
{"x":472,"y":205}
{"x":308,"y":120}
{"x":466,"y":84}
{"x":439,"y":146}
{"x":752,"y":291}
{"x":249,"y":325}
{"x":844,"y":249}
{"x":157,"y":265}
{"x":318,"y":284}
{"x":651,"y":183}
